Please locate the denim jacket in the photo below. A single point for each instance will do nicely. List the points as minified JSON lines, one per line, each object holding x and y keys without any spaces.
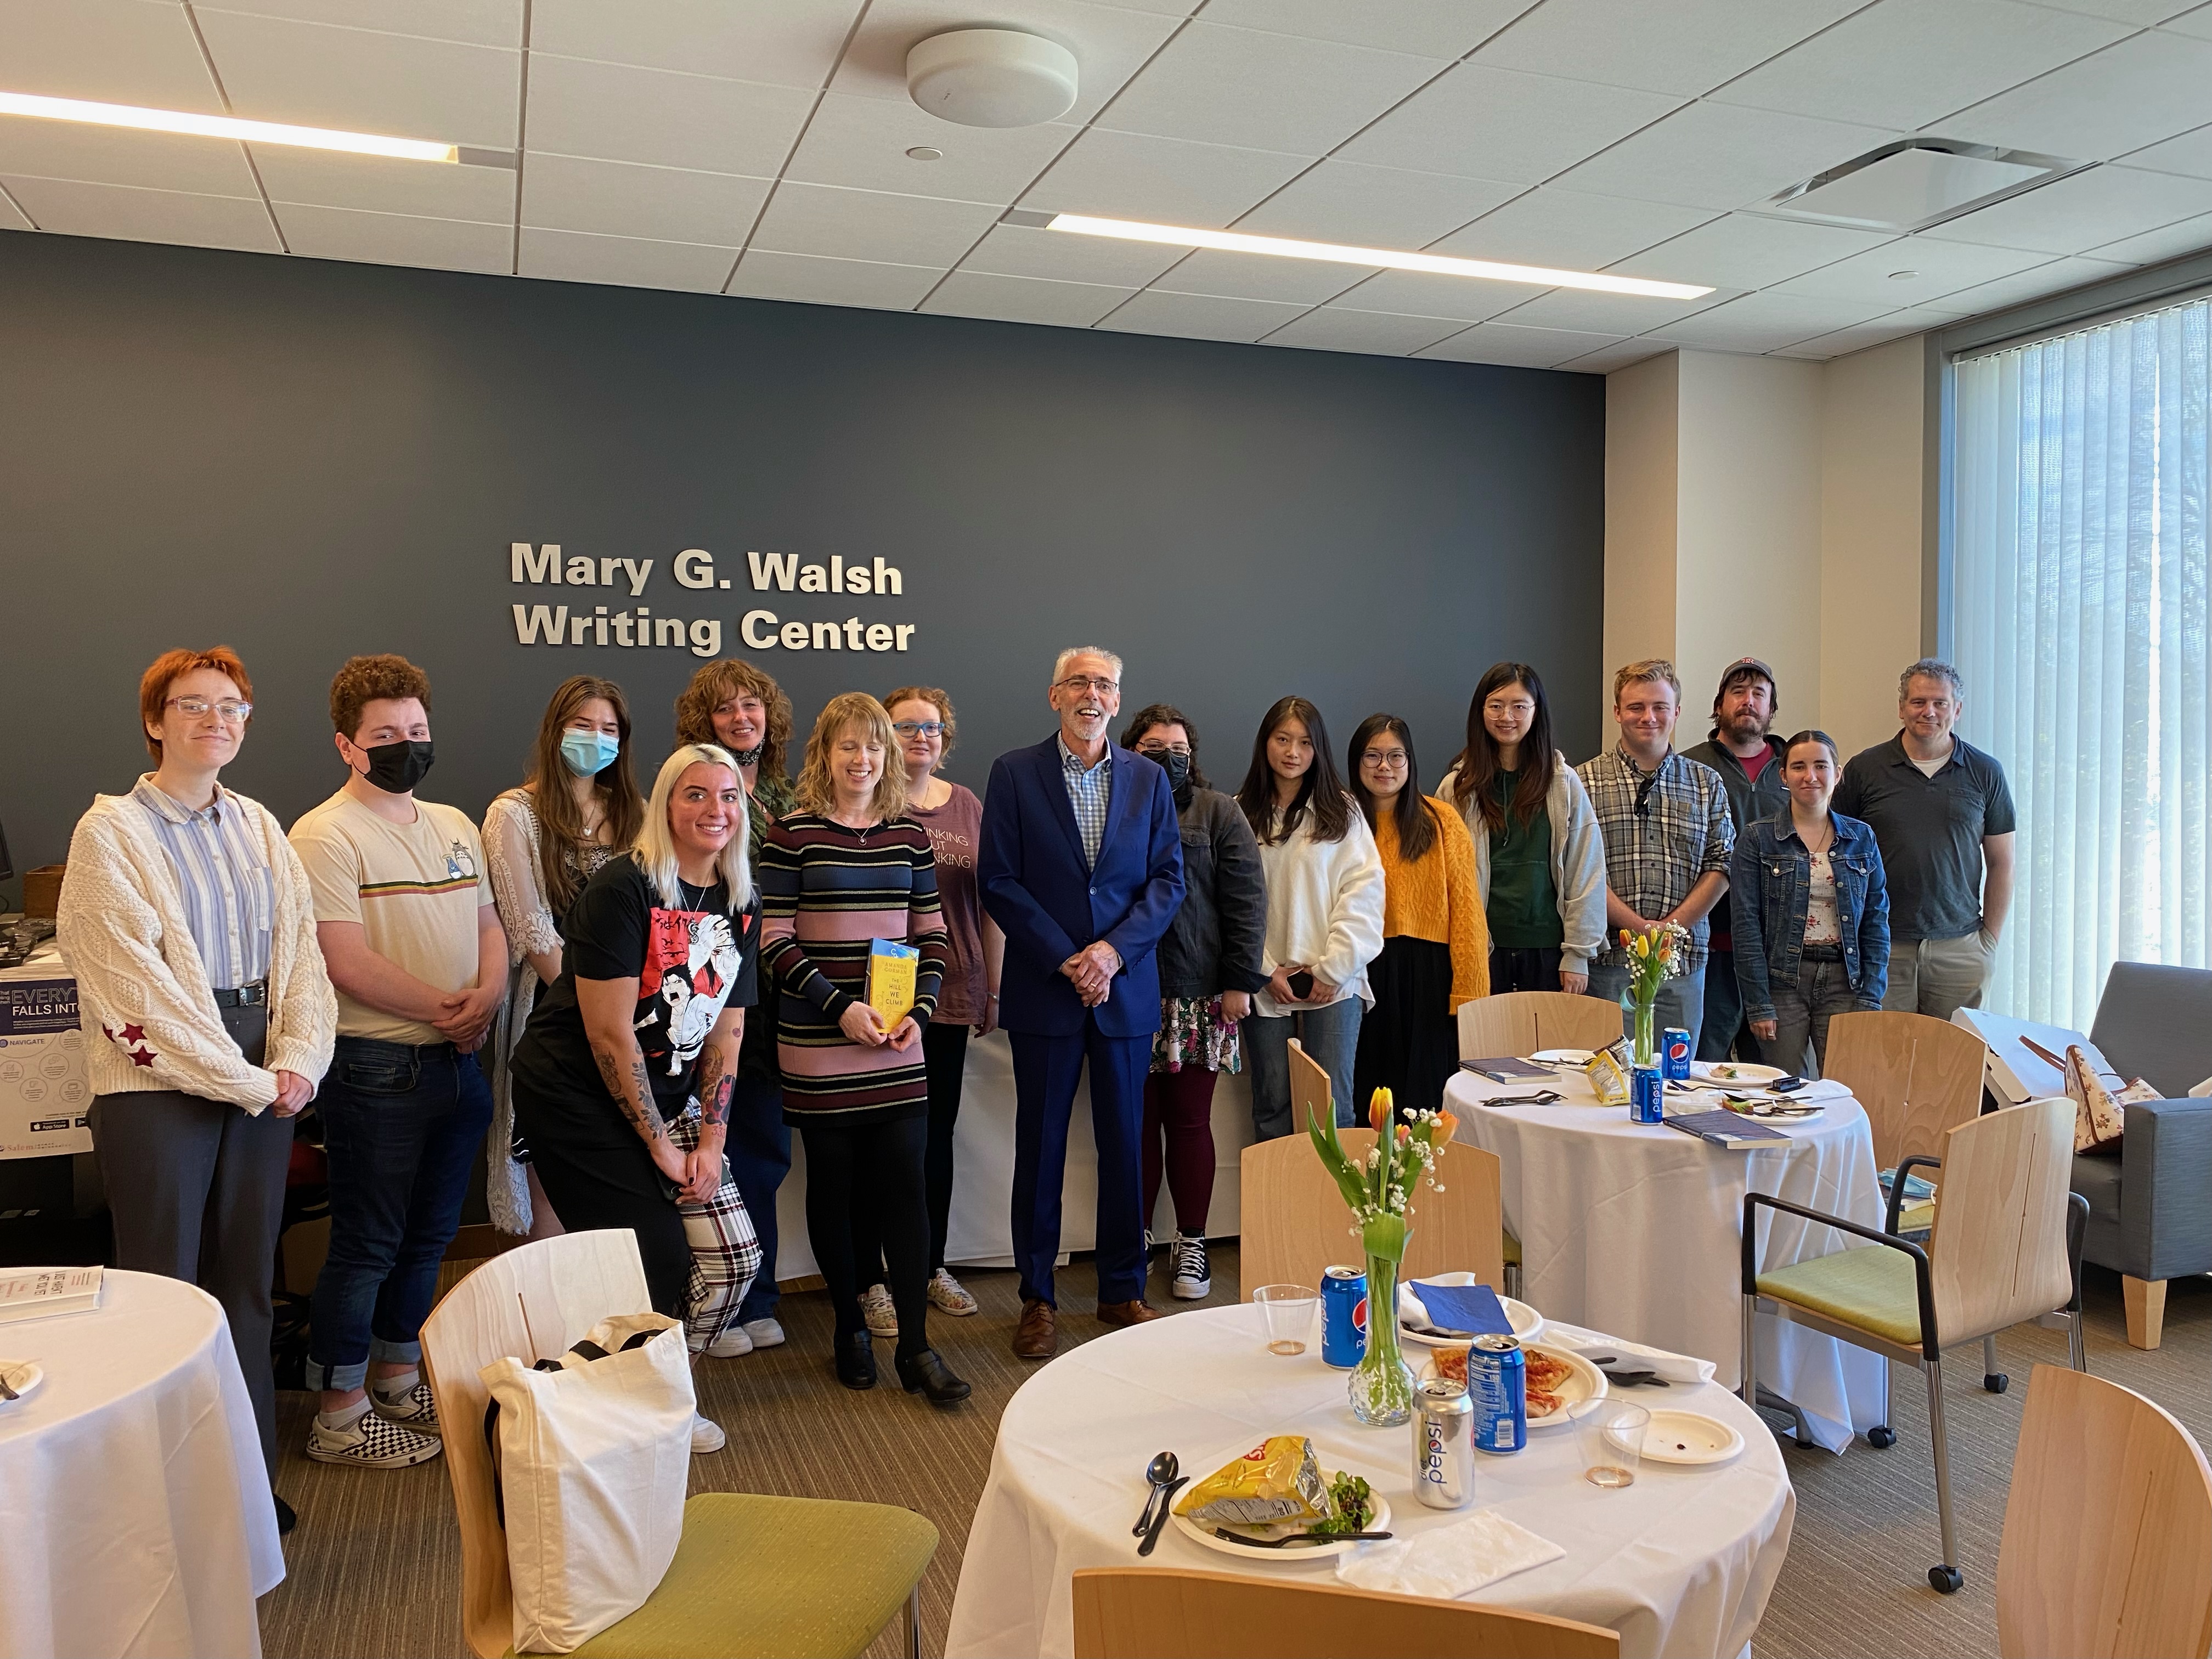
{"x":1770,"y":880}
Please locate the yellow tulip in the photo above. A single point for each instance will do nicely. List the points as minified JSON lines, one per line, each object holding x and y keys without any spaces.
{"x":1378,"y":1110}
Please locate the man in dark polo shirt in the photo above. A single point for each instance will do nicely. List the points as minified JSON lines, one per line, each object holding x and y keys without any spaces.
{"x":1942,"y":815}
{"x":1741,"y":748}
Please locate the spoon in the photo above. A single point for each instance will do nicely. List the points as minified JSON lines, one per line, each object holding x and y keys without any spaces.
{"x":1159,"y":1472}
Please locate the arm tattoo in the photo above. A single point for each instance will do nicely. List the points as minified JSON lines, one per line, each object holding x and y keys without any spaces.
{"x":715,"y":1087}
{"x":632,"y":1096}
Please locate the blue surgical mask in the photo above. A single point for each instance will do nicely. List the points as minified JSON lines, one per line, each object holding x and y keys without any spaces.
{"x":589,"y":753}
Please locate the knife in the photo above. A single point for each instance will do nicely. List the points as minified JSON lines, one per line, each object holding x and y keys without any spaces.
{"x":1167,"y":1502}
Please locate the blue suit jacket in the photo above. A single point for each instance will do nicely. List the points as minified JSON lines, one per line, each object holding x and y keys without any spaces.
{"x":1035,"y":886}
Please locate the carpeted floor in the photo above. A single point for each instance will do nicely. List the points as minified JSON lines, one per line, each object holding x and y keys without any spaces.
{"x":375,"y":1565}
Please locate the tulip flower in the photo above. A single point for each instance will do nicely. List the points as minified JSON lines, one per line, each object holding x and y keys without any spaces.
{"x":1378,"y":1110}
{"x":1440,"y":1132}
{"x":1404,"y":1134}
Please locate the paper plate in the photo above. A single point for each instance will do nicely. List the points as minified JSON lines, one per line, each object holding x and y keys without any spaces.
{"x":23,"y":1376}
{"x":1586,"y":1383}
{"x":1734,"y":1071}
{"x":1201,"y":1532}
{"x":1527,"y":1323}
{"x":1689,"y":1437}
{"x":1561,"y":1056}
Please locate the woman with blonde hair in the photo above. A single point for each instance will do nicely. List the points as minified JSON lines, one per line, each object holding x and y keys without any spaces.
{"x":576,"y":808}
{"x":623,"y":1083}
{"x":846,"y":869}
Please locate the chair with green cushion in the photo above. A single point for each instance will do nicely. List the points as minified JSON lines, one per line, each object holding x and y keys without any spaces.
{"x":843,"y":1571}
{"x":2005,"y":1247}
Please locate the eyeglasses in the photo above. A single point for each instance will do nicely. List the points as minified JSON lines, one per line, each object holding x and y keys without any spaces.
{"x":230,"y":708}
{"x":1182,"y":748}
{"x":1383,"y":760}
{"x":1517,"y":706}
{"x":917,"y":728}
{"x":1090,"y":682}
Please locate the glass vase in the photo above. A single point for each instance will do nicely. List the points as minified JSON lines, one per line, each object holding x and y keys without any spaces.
{"x":1642,"y":1021}
{"x":1382,"y":1386}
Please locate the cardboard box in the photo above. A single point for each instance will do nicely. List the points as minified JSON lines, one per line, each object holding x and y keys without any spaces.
{"x":42,"y":890}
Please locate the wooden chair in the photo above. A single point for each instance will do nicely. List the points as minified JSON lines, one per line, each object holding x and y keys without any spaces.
{"x":2107,"y":1548}
{"x":1296,"y":1222}
{"x":1521,"y":1022}
{"x":1138,"y":1612}
{"x":2006,"y":1246}
{"x":841,"y":1571}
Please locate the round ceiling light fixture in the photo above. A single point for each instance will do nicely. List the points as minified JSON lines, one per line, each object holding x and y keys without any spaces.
{"x":991,"y":77}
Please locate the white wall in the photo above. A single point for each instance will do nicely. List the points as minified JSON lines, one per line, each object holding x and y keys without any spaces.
{"x":1642,"y":487}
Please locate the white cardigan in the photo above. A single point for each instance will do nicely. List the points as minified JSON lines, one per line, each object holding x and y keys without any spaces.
{"x":144,"y":999}
{"x":1324,"y":909}
{"x":1577,"y":861}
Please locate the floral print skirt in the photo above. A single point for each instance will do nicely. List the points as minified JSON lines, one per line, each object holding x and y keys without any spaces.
{"x":1193,"y":1032}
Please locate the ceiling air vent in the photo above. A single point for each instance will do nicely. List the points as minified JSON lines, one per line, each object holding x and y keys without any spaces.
{"x":1918,"y":182}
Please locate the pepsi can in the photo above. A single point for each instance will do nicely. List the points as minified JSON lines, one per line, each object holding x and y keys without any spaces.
{"x":1497,"y":1386}
{"x":1674,"y":1054}
{"x":1444,"y":1445}
{"x":1343,"y":1317}
{"x":1647,"y":1091}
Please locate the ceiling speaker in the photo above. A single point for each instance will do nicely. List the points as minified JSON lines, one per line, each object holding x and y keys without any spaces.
{"x":991,"y":77}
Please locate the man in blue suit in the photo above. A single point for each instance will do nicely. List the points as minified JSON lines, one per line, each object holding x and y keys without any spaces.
{"x":1081,"y":866}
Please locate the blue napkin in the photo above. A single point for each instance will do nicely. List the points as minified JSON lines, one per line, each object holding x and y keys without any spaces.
{"x":1464,"y":1308}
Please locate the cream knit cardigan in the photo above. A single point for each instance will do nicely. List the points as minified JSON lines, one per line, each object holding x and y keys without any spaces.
{"x":149,"y":1013}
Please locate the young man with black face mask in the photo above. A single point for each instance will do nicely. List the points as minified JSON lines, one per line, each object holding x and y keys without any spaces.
{"x":405,"y":916}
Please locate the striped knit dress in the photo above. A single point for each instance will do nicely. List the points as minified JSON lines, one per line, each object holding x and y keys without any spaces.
{"x":825,"y":892}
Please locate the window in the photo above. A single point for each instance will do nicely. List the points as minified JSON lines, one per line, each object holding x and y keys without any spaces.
{"x":2082,"y":608}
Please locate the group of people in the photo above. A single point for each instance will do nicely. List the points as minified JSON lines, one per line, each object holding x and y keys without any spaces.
{"x":639,"y":995}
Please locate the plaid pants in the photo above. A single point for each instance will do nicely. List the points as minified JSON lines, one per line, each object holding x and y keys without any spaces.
{"x":725,"y":1253}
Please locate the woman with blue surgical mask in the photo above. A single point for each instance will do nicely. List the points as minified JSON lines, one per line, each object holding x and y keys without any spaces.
{"x":578,"y":808}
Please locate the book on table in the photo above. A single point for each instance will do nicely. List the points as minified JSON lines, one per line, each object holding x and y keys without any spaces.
{"x":39,"y":1292}
{"x":1728,"y":1129}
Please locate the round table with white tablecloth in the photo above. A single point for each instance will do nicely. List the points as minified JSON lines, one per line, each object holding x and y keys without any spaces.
{"x":1681,"y":1563}
{"x":1636,"y":1230}
{"x":134,"y":1503}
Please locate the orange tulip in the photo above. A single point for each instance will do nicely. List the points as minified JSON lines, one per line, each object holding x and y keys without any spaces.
{"x":1378,"y":1110}
{"x":1404,"y":1134}
{"x":1440,"y":1134}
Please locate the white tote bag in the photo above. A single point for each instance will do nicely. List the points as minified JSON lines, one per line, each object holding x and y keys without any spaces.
{"x":592,"y":1454}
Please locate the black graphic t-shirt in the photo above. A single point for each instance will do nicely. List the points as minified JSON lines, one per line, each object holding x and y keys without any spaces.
{"x":690,"y":963}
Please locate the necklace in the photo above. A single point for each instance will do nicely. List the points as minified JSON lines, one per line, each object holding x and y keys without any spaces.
{"x":685,"y":890}
{"x":1827,"y":839}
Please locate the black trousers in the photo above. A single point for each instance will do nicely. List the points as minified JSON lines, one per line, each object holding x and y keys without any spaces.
{"x":1522,"y":967}
{"x":612,"y":1184}
{"x":875,"y":1167}
{"x":944,"y":1059}
{"x":1408,"y":1040}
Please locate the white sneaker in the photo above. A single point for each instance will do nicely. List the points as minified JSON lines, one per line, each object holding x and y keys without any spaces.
{"x":1193,"y":1279}
{"x":706,"y":1437}
{"x":370,"y":1441}
{"x":948,"y":1296}
{"x":876,"y":1308}
{"x":734,"y":1342}
{"x":405,"y":1400}
{"x":765,"y":1333}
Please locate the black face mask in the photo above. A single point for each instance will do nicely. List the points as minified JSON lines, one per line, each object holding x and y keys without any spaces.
{"x":396,"y":768}
{"x":1177,"y":767}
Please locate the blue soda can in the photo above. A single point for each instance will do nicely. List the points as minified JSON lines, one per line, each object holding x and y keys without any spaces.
{"x":1647,"y":1091}
{"x":1343,"y":1317}
{"x":1674,"y":1054}
{"x":1498,"y":1385}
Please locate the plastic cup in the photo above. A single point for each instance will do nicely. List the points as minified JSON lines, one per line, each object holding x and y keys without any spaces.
{"x":1286,"y":1312}
{"x":1610,"y":1435}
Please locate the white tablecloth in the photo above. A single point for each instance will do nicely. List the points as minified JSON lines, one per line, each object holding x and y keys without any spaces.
{"x":1636,"y":1230}
{"x":1680,"y":1564}
{"x":135,"y":1515}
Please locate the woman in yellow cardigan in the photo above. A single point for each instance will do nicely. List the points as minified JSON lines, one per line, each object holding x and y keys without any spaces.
{"x":1436,"y":944}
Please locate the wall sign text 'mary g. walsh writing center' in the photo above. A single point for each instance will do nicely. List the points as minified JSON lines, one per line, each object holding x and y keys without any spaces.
{"x":627,"y":625}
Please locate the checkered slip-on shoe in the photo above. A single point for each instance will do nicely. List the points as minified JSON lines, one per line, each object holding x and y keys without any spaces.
{"x":410,"y":1407}
{"x":371,"y":1443}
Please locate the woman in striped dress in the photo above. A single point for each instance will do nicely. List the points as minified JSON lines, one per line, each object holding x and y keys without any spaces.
{"x":846,"y":868}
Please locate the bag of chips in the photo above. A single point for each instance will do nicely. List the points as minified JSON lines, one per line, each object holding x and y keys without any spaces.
{"x":1607,"y":1070}
{"x":1276,"y":1480}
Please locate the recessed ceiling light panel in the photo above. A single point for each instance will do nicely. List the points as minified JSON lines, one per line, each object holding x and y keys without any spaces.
{"x":222,"y":126}
{"x":1918,"y":182}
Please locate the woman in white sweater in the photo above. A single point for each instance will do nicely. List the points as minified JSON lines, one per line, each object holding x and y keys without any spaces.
{"x":1324,"y":915}
{"x":207,"y":1014}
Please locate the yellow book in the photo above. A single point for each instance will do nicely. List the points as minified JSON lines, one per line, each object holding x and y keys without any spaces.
{"x":891,"y":969}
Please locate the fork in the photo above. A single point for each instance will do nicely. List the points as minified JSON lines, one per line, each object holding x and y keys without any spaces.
{"x":1296,"y":1538}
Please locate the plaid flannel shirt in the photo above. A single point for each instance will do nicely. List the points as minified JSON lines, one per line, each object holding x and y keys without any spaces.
{"x":1664,"y":831}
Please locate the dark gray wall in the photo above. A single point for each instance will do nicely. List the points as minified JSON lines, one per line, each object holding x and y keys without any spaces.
{"x":308,"y":460}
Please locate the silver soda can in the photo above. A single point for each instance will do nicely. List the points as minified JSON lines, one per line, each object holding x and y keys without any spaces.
{"x":1498,"y":1384}
{"x":1444,"y":1445}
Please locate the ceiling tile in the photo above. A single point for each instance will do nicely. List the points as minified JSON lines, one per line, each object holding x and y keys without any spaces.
{"x":1060,"y":256}
{"x":1874,"y":278}
{"x":1745,"y":251}
{"x":1110,"y":43}
{"x":1333,"y":328}
{"x":377,"y":184}
{"x":1906,"y":63}
{"x":2190,"y":153}
{"x":116,"y":51}
{"x":1568,"y":230}
{"x":627,"y":261}
{"x":1518,"y":348}
{"x":1264,"y":91}
{"x":276,"y":70}
{"x":75,"y":208}
{"x":862,"y":143}
{"x":2086,"y":210}
{"x":1685,"y":46}
{"x":832,"y":282}
{"x":2145,"y":12}
{"x":1763,"y":322}
{"x":2145,"y":89}
{"x":1418,"y":294}
{"x":2196,"y":22}
{"x":1617,"y":315}
{"x":786,"y":43}
{"x":1432,"y":28}
{"x":116,"y":156}
{"x":1198,"y":317}
{"x":1880,"y":332}
{"x":2035,"y":283}
{"x":474,"y":23}
{"x":867,"y":224}
{"x":1721,"y":156}
{"x":1499,"y":124}
{"x":1374,"y":207}
{"x":612,"y":112}
{"x":621,"y":198}
{"x":1260,"y":276}
{"x":1024,"y":299}
{"x":395,"y":238}
{"x":11,"y":217}
{"x":1606,"y":359}
{"x":2152,"y":247}
{"x":1167,"y":181}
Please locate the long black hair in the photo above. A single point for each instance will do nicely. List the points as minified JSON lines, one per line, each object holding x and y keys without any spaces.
{"x":1165,"y":713}
{"x":1475,"y":768}
{"x":1319,"y":791}
{"x":1417,"y":830}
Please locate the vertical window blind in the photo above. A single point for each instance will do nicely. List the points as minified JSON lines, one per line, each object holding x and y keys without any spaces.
{"x":2083,"y":605}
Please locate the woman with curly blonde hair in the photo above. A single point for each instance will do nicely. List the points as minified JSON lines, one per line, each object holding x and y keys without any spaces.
{"x":741,"y":709}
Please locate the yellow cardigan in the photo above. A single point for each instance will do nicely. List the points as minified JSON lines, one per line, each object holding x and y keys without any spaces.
{"x":1436,"y":898}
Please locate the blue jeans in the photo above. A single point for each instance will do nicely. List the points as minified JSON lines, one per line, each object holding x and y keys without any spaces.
{"x":1681,"y":1001}
{"x":402,"y":1126}
{"x":1331,"y":1037}
{"x":759,"y":1151}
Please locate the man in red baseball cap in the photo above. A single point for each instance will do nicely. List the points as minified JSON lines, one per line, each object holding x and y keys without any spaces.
{"x":1741,"y":748}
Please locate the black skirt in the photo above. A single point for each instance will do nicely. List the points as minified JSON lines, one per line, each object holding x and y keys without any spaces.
{"x":1408,"y":1040}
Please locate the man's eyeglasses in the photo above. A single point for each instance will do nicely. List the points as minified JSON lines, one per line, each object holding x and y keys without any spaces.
{"x":1182,"y":748}
{"x":917,"y":728}
{"x":1104,"y":688}
{"x":230,"y":708}
{"x":1383,"y":760}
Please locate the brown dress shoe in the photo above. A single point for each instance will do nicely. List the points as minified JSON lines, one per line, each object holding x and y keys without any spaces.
{"x":1126,"y":1313}
{"x":1037,"y":1337}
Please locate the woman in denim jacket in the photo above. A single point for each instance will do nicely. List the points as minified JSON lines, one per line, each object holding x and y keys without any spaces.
{"x":1811,"y":911}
